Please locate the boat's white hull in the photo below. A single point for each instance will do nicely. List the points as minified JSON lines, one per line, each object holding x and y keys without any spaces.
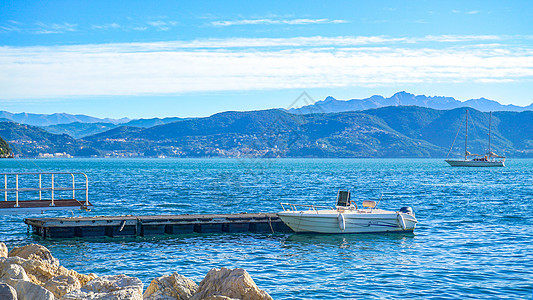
{"x":473,"y":163}
{"x":349,"y":222}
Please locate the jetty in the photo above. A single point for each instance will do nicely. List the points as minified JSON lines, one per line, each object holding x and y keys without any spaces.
{"x":155,"y":225}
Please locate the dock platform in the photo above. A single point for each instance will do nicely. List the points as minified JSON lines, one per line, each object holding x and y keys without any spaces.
{"x":155,"y":225}
{"x":30,"y":192}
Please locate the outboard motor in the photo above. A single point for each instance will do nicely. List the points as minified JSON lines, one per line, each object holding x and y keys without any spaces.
{"x":407,"y":210}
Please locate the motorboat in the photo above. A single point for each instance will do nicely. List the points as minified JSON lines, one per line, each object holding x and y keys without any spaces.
{"x":347,"y":217}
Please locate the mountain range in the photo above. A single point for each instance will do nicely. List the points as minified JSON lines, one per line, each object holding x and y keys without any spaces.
{"x":394,"y":131}
{"x":79,"y":130}
{"x":327,"y":105}
{"x":331,"y":104}
{"x":54,"y":119}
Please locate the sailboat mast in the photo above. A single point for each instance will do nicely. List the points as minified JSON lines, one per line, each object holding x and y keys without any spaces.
{"x":490,"y":125}
{"x":466,"y":136}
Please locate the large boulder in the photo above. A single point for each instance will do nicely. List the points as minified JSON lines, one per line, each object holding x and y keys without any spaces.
{"x":10,"y":271}
{"x":39,"y":272}
{"x":3,"y":250}
{"x":27,"y":290}
{"x":62,"y":284}
{"x":236,"y":283}
{"x":34,"y":251}
{"x":117,"y":287}
{"x":7,"y":292}
{"x":173,"y":287}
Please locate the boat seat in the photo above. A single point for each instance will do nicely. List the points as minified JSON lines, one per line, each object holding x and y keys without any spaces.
{"x":369,"y":204}
{"x":343,"y":198}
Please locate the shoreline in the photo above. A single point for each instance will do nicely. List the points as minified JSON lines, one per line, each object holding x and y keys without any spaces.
{"x":31,"y":272}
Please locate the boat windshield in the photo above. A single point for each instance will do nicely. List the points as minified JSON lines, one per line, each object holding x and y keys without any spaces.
{"x":343,"y":198}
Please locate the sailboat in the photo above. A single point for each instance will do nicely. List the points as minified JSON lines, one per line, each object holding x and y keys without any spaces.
{"x":490,"y":159}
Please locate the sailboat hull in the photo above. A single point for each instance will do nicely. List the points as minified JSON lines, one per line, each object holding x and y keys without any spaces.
{"x":473,"y":163}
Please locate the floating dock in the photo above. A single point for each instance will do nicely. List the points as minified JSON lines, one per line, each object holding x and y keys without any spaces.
{"x":131,"y":226}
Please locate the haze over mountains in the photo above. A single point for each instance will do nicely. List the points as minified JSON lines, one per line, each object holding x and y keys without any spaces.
{"x":331,"y":104}
{"x":80,"y":130}
{"x":54,"y":119}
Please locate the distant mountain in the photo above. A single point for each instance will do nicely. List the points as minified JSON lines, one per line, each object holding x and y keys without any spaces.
{"x":405,"y":131}
{"x":54,"y":119}
{"x":393,"y":131}
{"x":79,"y":130}
{"x":331,"y":104}
{"x":145,"y":123}
{"x":30,"y":141}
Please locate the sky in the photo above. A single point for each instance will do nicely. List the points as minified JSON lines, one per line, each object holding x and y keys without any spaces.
{"x":143,"y":59}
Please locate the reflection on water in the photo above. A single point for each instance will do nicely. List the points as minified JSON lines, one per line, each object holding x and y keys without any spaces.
{"x":344,"y":240}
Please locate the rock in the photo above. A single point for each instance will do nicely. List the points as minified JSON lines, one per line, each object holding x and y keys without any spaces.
{"x":40,"y":272}
{"x":27,"y":290}
{"x":116,"y":295}
{"x":62,"y":284}
{"x":7,"y":292}
{"x":235,"y":283}
{"x":10,"y":271}
{"x":115,"y":287}
{"x":34,"y":251}
{"x":170,"y":287}
{"x":3,"y":250}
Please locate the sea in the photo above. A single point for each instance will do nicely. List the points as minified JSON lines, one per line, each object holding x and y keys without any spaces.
{"x":474,"y":238}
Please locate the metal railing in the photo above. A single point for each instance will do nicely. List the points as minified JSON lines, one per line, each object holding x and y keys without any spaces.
{"x":40,"y":188}
{"x":292,"y":207}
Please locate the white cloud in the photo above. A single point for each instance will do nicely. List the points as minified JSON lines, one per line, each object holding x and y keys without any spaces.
{"x":219,"y":65}
{"x":106,"y":26}
{"x":11,"y":26}
{"x":48,"y":28}
{"x":277,"y":22}
{"x":471,"y":12}
{"x":295,"y":42}
{"x":162,"y":25}
{"x":457,"y":38}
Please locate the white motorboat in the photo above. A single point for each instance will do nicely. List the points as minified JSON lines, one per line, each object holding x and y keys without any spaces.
{"x":490,"y":159}
{"x":347,"y":217}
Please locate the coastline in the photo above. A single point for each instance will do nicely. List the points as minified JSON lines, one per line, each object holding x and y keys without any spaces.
{"x":31,"y":272}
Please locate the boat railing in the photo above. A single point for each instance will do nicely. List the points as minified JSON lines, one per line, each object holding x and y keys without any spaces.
{"x":51,"y":189}
{"x":293,"y":207}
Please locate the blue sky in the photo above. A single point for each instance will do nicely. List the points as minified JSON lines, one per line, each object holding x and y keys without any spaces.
{"x":143,"y":59}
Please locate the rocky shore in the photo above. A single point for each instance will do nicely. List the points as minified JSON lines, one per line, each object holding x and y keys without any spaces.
{"x":31,"y":272}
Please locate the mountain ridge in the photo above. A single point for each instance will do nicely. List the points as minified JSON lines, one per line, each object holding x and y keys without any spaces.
{"x":393,"y":131}
{"x":405,"y":131}
{"x":79,"y":130}
{"x":56,"y":118}
{"x":330,"y":104}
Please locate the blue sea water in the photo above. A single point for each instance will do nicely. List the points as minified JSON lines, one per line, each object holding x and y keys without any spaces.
{"x":473,"y":240}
